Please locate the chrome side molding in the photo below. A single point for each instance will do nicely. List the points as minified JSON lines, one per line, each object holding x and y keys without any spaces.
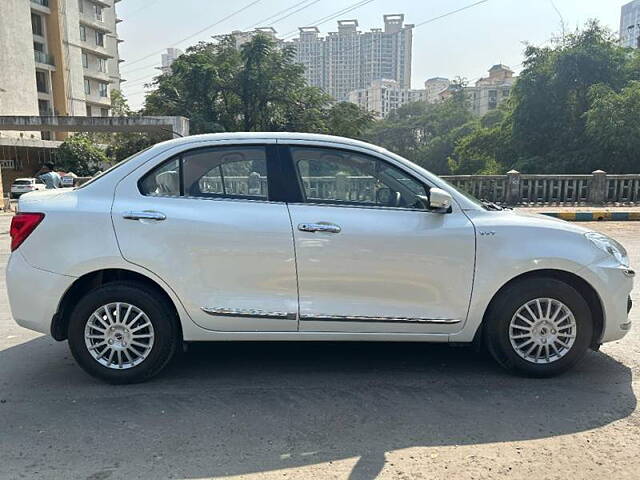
{"x":354,"y":318}
{"x":248,"y":313}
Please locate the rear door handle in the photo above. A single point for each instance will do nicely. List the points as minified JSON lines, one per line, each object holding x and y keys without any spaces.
{"x":319,"y":227}
{"x":146,"y":215}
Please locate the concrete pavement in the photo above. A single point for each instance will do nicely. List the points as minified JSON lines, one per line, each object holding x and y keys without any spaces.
{"x":267,"y":411}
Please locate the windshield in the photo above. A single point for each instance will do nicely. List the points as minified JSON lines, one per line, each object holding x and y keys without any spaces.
{"x":112,"y":168}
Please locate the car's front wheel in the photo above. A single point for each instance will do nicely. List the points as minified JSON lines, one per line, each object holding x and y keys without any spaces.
{"x":539,"y":327}
{"x":123,"y":332}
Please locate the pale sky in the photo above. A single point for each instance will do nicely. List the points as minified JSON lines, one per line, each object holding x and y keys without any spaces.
{"x":464,"y":44}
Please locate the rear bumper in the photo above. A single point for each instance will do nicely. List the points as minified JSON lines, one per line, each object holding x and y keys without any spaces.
{"x":34,"y":294}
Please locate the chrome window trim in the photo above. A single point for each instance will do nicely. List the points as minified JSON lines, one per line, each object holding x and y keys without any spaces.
{"x":368,"y":207}
{"x":213,"y":199}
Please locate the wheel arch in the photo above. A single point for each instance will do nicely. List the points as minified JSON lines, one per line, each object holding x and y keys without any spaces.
{"x":97,"y":278}
{"x":580,"y":284}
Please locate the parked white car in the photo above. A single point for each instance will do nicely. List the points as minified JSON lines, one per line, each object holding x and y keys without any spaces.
{"x":26,"y":185}
{"x":274,"y":236}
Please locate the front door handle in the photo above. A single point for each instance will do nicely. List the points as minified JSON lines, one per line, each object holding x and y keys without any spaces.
{"x":145,"y":215}
{"x":319,"y":227}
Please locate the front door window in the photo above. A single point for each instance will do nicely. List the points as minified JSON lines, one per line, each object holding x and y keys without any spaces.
{"x":349,"y":178}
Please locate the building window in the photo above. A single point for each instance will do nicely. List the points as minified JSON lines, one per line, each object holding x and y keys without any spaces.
{"x":104,"y":112}
{"x":85,"y":60}
{"x":100,"y":39}
{"x":44,"y":108}
{"x":41,"y":82}
{"x":88,"y":110}
{"x":83,"y":33}
{"x":37,"y":26}
{"x":87,"y":86}
{"x":98,"y":12}
{"x":81,"y":6}
{"x":102,"y":65}
{"x":104,"y":90}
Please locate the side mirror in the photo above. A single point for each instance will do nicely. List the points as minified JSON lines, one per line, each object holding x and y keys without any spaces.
{"x":438,"y":201}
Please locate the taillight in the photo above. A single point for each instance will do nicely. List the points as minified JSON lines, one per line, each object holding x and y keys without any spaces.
{"x":22,"y":225}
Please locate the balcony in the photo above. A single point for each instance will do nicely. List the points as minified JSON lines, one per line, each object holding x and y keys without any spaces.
{"x":43,"y":58}
{"x":90,"y":46}
{"x":92,"y":22}
{"x":97,"y":75}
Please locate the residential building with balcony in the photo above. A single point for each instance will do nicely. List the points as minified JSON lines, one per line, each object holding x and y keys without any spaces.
{"x":74,"y":64}
{"x":384,"y":96}
{"x":488,"y":93}
{"x":630,"y":24}
{"x":435,"y":89}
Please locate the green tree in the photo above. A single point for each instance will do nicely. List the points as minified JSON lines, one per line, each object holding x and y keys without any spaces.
{"x":80,"y":155}
{"x":122,"y":145}
{"x":259,"y":88}
{"x":346,"y":119}
{"x":427,"y":133}
{"x":613,"y":123}
{"x":552,"y":96}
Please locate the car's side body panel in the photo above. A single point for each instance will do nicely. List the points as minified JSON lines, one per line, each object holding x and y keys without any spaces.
{"x":76,"y":235}
{"x":388,"y":270}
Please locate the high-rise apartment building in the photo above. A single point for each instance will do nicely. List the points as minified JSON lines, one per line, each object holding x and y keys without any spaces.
{"x":74,"y":62}
{"x":349,"y":59}
{"x":630,"y":25}
{"x":168,"y":58}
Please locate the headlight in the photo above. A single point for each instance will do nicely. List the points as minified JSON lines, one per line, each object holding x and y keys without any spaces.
{"x":609,"y":245}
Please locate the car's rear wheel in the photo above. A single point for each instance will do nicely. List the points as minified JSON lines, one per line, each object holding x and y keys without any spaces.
{"x":123,"y":332}
{"x":538,"y":327}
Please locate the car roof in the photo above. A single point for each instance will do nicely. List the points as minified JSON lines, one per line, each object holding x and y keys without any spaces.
{"x":315,"y":137}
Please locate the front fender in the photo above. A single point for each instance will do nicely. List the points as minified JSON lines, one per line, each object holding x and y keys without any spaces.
{"x":509,"y":245}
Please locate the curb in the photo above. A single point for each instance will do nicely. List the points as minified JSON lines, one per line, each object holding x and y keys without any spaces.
{"x":595,"y":216}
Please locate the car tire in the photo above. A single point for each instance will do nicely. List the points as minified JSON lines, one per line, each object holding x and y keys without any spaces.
{"x":140,"y":351}
{"x":555,"y":345}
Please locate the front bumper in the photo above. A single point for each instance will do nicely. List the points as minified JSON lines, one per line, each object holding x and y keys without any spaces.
{"x":613,"y":284}
{"x":34,"y":294}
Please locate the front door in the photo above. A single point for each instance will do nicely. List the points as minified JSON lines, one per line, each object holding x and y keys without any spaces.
{"x":370,"y":257}
{"x":204,"y":221}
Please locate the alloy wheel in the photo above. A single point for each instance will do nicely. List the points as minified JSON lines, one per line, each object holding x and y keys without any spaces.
{"x":119,"y":335}
{"x":542,"y":330}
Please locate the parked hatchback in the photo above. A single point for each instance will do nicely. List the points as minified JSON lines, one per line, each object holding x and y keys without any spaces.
{"x":26,"y":185}
{"x":298,"y":237}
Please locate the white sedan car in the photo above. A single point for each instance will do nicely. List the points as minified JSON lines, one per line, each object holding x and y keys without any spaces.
{"x":274,"y":236}
{"x":26,"y":185}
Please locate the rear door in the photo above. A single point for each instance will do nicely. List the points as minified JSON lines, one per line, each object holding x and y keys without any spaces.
{"x":206,"y":222}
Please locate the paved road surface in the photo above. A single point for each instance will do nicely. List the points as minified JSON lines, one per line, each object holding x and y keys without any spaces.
{"x":319,"y":411}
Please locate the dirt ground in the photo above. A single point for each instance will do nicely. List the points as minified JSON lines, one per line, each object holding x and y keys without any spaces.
{"x":289,"y":411}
